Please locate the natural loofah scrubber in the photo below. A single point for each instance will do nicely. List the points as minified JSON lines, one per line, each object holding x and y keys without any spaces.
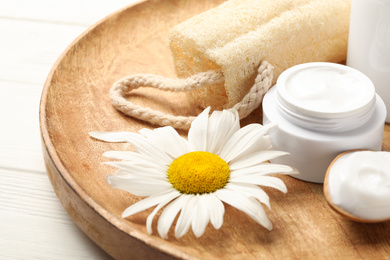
{"x":237,"y":35}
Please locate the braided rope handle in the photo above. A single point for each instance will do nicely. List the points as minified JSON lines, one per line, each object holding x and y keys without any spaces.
{"x":120,"y":88}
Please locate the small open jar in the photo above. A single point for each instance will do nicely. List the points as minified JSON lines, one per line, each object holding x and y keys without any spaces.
{"x":322,"y":109}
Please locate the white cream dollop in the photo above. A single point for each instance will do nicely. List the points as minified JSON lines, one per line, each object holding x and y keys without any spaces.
{"x":328,"y":89}
{"x":359,"y":183}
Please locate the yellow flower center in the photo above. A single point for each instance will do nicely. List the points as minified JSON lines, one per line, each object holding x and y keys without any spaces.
{"x":198,"y":173}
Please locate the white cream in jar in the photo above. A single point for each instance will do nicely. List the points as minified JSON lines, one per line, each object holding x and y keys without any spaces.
{"x":322,"y":109}
{"x":359,"y":183}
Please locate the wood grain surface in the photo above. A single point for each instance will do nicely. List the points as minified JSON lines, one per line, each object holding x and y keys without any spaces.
{"x":75,"y":101}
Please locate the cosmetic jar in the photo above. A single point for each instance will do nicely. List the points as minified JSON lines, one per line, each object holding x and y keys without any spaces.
{"x":322,"y":109}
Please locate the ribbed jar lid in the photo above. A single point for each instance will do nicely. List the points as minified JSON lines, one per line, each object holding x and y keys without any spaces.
{"x":325,"y":96}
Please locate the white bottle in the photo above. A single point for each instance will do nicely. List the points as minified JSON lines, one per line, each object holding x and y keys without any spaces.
{"x":322,"y":109}
{"x":369,"y":44}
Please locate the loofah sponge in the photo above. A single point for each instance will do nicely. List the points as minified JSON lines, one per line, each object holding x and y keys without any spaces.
{"x":237,"y":35}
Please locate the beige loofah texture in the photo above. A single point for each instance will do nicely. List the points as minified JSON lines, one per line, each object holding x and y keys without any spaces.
{"x":235,"y":36}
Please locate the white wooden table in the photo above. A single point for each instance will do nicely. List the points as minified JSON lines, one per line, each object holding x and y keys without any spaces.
{"x":33,"y":33}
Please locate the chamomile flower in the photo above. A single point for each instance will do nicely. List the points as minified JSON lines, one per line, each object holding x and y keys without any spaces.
{"x":219,"y":163}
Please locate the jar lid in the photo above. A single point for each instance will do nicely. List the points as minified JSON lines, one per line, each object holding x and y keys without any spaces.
{"x":325,"y":96}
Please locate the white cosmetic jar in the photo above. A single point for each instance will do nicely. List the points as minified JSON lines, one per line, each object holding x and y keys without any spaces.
{"x":322,"y":109}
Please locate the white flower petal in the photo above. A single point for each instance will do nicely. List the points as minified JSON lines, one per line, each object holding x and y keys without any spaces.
{"x":135,"y":157}
{"x":144,"y":146}
{"x":169,"y":214}
{"x":267,"y":181}
{"x":248,"y":205}
{"x":197,"y":135}
{"x":122,"y":155}
{"x":221,"y":126}
{"x":261,"y":169}
{"x":165,"y":199}
{"x":112,"y":137}
{"x":247,"y":131}
{"x":242,"y":140}
{"x":144,"y":204}
{"x":250,"y":190}
{"x":123,"y":175}
{"x":216,"y":210}
{"x":264,"y":143}
{"x":141,"y":170}
{"x":167,"y":138}
{"x":137,"y":186}
{"x":255,"y":158}
{"x":201,"y":216}
{"x":184,"y":221}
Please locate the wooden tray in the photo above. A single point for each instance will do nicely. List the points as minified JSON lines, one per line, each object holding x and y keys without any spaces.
{"x":75,"y":101}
